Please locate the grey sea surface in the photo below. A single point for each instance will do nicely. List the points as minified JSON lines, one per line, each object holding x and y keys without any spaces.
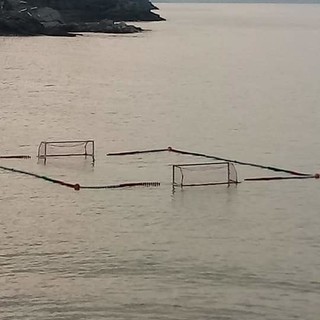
{"x":235,"y":80}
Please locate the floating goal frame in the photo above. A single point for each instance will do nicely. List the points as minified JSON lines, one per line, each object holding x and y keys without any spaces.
{"x":43,"y":152}
{"x":230,"y":179}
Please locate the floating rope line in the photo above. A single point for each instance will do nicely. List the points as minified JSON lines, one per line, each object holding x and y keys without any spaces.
{"x":241,"y":162}
{"x":126,"y":153}
{"x":315,"y":176}
{"x":77,"y":187}
{"x":170,"y":149}
{"x":124,"y":185}
{"x":66,"y":184}
{"x":15,"y":157}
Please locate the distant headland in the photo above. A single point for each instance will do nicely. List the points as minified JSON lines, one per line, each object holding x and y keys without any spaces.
{"x":66,"y":17}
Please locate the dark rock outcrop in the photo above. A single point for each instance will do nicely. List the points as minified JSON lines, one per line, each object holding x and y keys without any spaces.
{"x":19,"y":24}
{"x":97,"y":10}
{"x":103,"y":26}
{"x":60,"y":17}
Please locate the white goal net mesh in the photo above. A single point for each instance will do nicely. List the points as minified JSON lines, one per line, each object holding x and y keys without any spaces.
{"x":204,"y":174}
{"x":66,"y":149}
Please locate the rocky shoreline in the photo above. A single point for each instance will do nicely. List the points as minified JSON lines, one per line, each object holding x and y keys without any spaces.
{"x":71,"y":17}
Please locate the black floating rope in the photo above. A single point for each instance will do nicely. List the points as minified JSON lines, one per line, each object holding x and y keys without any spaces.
{"x":170,"y":149}
{"x":127,"y":153}
{"x":15,"y":157}
{"x":66,"y":184}
{"x":124,"y":185}
{"x":281,"y":178}
{"x":77,"y":187}
{"x":242,"y":163}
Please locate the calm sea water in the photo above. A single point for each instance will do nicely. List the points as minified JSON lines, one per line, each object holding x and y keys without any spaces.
{"x":238,"y":81}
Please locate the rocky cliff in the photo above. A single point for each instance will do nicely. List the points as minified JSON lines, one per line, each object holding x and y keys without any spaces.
{"x":59,"y":17}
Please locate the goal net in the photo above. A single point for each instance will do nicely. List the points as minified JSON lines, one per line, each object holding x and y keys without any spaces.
{"x":75,"y":148}
{"x":204,"y":174}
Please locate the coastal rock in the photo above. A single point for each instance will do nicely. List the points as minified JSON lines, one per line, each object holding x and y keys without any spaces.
{"x":104,"y":26}
{"x":48,"y":17}
{"x":19,"y":24}
{"x":92,"y":10}
{"x":27,"y":24}
{"x":60,"y":17}
{"x":97,"y":10}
